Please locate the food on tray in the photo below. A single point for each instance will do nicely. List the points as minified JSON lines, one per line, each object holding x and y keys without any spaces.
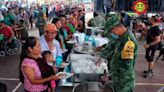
{"x":64,"y":75}
{"x":88,"y":66}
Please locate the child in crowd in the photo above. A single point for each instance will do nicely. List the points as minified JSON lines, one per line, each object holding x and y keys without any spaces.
{"x":47,"y":56}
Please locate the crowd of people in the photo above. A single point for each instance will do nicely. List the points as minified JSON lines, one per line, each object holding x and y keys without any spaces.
{"x":115,"y":5}
{"x":56,"y":26}
{"x":23,"y":18}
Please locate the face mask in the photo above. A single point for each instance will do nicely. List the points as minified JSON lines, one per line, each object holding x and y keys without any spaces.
{"x":114,"y":36}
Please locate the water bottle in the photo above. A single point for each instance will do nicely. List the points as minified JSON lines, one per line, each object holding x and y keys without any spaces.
{"x":93,"y":42}
{"x":58,"y":60}
{"x":77,"y":39}
{"x":90,"y":39}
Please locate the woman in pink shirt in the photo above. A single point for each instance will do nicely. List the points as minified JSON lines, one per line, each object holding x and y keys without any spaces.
{"x":30,"y":74}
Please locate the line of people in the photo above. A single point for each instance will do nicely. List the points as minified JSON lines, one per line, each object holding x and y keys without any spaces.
{"x":53,"y":41}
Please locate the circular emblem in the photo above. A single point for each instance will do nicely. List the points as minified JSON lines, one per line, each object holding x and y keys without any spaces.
{"x":140,"y":6}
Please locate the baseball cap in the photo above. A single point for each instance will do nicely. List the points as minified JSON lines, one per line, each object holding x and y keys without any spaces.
{"x":50,"y":27}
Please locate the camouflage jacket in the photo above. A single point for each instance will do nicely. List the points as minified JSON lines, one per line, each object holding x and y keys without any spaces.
{"x":40,"y":21}
{"x":122,"y":70}
{"x":98,"y":21}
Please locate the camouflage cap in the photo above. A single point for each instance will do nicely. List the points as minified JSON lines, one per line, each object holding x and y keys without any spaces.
{"x":113,"y":20}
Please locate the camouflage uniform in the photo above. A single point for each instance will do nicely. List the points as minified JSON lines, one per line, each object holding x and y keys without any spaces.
{"x":91,"y":23}
{"x":40,"y":21}
{"x":122,"y":70}
{"x":98,"y":21}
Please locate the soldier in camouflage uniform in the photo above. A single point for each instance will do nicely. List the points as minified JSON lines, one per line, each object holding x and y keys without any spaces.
{"x":97,"y":21}
{"x":122,"y":53}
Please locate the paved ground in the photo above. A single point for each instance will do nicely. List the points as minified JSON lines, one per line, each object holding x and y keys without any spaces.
{"x":9,"y":73}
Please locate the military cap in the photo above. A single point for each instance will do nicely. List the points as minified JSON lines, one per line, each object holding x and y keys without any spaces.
{"x":113,"y":20}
